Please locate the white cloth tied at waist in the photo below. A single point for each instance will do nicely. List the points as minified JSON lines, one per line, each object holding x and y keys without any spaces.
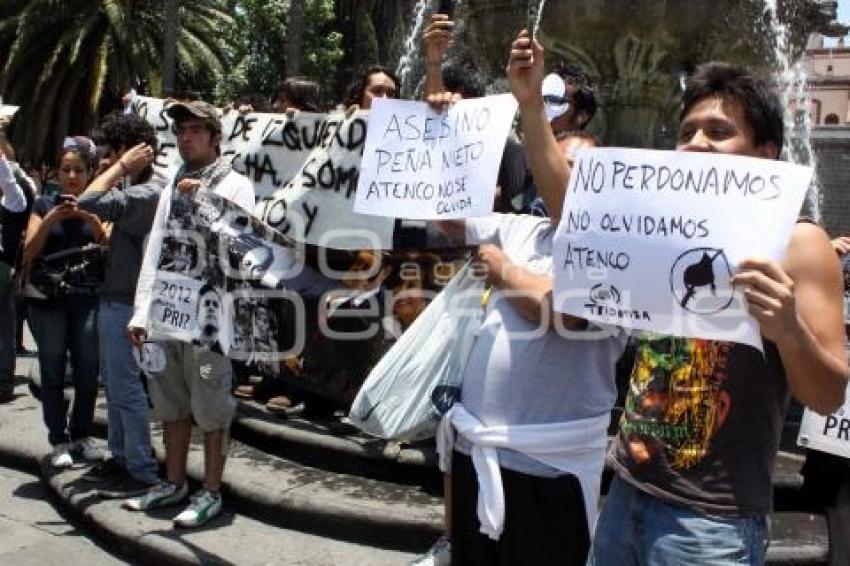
{"x":574,"y":447}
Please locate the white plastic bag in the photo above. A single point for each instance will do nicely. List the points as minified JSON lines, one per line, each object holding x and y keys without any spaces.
{"x":419,"y":378}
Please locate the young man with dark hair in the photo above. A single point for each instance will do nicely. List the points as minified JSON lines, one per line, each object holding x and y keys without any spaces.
{"x":125,"y":194}
{"x":196,"y":383}
{"x":693,"y":477}
{"x":693,"y":470}
{"x":375,"y":82}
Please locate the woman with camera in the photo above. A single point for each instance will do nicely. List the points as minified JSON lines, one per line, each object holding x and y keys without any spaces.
{"x":63,"y":261}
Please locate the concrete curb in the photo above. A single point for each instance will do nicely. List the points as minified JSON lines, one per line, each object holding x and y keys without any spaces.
{"x":343,"y":506}
{"x":253,"y":420}
{"x":150,"y":538}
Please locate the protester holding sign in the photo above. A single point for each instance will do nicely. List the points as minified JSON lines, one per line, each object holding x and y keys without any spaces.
{"x":63,"y":262}
{"x":696,"y":445}
{"x":528,"y":459}
{"x":125,"y":194}
{"x":195,"y":383}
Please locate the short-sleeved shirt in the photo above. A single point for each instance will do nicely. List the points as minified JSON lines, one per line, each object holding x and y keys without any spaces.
{"x":514,"y":379}
{"x":64,"y":235}
{"x":701,"y":424}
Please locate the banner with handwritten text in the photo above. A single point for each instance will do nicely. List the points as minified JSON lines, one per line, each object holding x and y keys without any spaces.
{"x":650,"y":239}
{"x":316,"y":207}
{"x":269,"y":149}
{"x":421,"y":164}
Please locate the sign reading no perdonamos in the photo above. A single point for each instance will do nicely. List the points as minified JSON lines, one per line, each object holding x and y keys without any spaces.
{"x":829,"y":434}
{"x":421,"y":164}
{"x":650,"y":239}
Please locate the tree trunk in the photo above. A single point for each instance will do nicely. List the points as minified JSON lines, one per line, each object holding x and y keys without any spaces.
{"x":169,"y":46}
{"x":295,"y":37}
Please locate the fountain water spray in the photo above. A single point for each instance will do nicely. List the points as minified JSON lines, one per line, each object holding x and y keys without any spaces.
{"x":412,"y":47}
{"x":792,"y":82}
{"x":535,"y":17}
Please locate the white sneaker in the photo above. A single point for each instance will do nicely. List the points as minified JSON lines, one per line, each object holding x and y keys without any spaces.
{"x":88,"y":450}
{"x":440,"y":554}
{"x":61,"y":456}
{"x":162,"y":494}
{"x":204,"y":506}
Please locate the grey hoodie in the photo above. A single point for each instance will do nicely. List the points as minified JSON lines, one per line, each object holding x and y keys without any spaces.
{"x":131,"y":212}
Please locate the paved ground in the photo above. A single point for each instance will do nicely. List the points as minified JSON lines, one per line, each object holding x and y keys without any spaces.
{"x":33,"y":532}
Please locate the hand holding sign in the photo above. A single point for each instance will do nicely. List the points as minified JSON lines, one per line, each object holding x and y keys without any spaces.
{"x":423,"y":165}
{"x":770,"y":298}
{"x":650,"y":240}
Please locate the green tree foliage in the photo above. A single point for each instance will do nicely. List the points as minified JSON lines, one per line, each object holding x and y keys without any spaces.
{"x":64,"y":61}
{"x":258,"y":44}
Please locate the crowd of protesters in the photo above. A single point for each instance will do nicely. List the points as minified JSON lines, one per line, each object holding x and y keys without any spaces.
{"x":524,"y":448}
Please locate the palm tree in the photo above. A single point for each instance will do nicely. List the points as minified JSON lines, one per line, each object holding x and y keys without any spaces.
{"x":61,"y":58}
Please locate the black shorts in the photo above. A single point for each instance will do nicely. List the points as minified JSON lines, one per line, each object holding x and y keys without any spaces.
{"x":545,"y":520}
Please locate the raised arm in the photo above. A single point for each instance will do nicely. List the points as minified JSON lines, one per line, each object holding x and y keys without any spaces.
{"x":130,"y":164}
{"x":546,"y":160}
{"x":799,"y":307}
{"x":436,"y":39}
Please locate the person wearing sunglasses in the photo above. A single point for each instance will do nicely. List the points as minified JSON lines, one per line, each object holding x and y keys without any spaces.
{"x":568,"y":98}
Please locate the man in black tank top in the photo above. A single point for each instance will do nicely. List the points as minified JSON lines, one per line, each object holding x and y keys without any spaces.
{"x":696,"y":443}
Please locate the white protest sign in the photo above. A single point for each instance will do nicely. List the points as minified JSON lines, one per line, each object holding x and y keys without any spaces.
{"x":269,"y":149}
{"x":650,"y":239}
{"x":827,"y":434}
{"x":317,"y":206}
{"x":223,"y":278}
{"x":7,"y":110}
{"x":425,"y":165}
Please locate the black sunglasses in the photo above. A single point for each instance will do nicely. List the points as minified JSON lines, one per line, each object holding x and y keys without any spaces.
{"x":555,"y":100}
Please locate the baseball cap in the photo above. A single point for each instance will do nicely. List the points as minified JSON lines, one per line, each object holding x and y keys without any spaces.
{"x":554,"y":100}
{"x":198,"y":109}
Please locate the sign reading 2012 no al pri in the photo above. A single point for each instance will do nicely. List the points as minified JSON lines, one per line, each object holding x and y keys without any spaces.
{"x":650,"y":239}
{"x":421,"y":164}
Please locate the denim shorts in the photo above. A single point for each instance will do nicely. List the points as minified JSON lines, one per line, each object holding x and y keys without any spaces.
{"x":636,"y":528}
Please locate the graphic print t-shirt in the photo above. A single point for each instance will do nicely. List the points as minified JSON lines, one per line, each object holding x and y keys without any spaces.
{"x":701,"y":424}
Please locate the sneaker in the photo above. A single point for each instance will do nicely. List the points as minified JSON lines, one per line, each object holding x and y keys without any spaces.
{"x":124,"y":487}
{"x":440,"y":554}
{"x":204,"y":506}
{"x":61,"y":456}
{"x":108,"y":469}
{"x":160,"y":495}
{"x":86,"y":448}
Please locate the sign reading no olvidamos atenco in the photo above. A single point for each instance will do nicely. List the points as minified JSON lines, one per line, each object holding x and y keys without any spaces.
{"x":650,"y":239}
{"x":827,"y":434}
{"x":421,"y":164}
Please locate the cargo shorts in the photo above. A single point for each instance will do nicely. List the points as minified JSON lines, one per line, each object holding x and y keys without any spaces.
{"x":196,"y":383}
